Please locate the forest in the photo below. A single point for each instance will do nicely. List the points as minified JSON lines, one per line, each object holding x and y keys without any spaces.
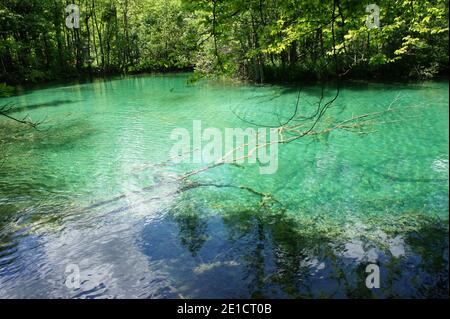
{"x":256,"y":40}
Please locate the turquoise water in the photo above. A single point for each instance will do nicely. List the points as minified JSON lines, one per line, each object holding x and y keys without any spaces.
{"x":91,"y":188}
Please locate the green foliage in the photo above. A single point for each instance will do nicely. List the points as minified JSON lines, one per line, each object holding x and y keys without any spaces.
{"x":260,"y":40}
{"x":6,"y":90}
{"x":295,"y":39}
{"x":115,"y":36}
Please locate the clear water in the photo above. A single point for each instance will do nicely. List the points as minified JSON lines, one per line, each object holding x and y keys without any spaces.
{"x":87,"y":190}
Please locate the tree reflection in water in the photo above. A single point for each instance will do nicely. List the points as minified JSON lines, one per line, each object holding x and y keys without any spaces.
{"x":274,"y":253}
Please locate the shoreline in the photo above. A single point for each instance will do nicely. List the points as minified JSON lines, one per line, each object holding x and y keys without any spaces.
{"x":26,"y":87}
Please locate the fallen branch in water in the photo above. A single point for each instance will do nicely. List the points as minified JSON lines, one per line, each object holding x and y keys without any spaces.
{"x":265,"y":198}
{"x":5,"y":109}
{"x":355,"y":124}
{"x":351,"y":124}
{"x":295,"y":129}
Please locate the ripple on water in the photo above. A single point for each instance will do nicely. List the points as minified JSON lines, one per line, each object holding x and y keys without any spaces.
{"x":90,"y":191}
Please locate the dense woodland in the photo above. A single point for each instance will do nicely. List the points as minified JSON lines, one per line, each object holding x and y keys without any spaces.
{"x":258,"y":40}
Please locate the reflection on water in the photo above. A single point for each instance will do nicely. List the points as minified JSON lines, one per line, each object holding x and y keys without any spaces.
{"x":186,"y":250}
{"x":87,"y":190}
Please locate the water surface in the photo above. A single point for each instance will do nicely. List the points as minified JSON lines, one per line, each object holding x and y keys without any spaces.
{"x":88,"y":189}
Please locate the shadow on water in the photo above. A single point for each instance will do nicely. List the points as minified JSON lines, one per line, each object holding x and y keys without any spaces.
{"x":58,"y":137}
{"x":26,"y":185}
{"x":65,"y":137}
{"x":31,"y":107}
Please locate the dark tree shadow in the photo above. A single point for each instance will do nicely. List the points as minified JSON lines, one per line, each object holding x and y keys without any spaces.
{"x":31,"y":107}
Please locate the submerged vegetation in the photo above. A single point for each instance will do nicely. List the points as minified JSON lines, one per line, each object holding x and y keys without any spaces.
{"x":88,"y":184}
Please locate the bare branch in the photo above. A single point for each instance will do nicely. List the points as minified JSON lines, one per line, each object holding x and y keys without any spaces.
{"x":5,"y":109}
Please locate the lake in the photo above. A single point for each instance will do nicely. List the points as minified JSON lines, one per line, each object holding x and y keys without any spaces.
{"x":91,"y":193}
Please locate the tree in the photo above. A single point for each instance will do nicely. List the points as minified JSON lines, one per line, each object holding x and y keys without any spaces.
{"x":259,"y":40}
